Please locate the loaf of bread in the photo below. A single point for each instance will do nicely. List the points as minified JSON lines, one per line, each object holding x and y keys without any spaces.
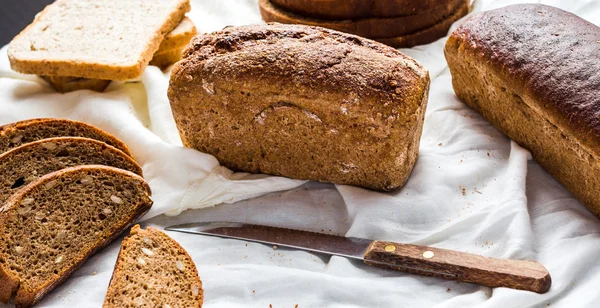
{"x":50,"y":227}
{"x":368,"y":27}
{"x":16,"y":134}
{"x":26,"y":163}
{"x":99,"y":39}
{"x":355,"y":9}
{"x":532,"y":71}
{"x":153,"y":270}
{"x":302,"y":102}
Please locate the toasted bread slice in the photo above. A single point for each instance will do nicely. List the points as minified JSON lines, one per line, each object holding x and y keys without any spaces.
{"x":153,"y":270}
{"x":48,"y":231}
{"x":100,"y":39}
{"x":23,"y":165}
{"x":19,"y":133}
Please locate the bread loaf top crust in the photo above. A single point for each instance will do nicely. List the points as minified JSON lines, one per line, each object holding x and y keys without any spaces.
{"x":546,"y":53}
{"x":321,"y":60}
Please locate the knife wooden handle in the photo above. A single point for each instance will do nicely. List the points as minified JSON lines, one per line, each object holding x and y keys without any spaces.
{"x":460,"y":266}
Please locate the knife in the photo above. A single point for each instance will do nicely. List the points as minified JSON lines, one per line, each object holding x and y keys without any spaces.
{"x":453,"y":265}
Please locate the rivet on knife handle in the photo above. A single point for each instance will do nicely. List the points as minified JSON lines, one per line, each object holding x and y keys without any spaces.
{"x":516,"y":274}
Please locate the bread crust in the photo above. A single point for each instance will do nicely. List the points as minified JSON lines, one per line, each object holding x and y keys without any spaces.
{"x":356,"y":9}
{"x":9,"y":133}
{"x":541,"y":86}
{"x":23,"y":61}
{"x":373,"y":28}
{"x":303,"y":102}
{"x":27,"y":298}
{"x":428,"y":35}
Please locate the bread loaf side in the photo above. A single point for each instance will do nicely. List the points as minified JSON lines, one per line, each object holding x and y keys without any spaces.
{"x":532,"y":71}
{"x":302,"y":102}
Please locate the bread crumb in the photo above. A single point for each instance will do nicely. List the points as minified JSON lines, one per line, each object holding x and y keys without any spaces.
{"x":274,"y":247}
{"x":439,"y":144}
{"x":94,"y":273}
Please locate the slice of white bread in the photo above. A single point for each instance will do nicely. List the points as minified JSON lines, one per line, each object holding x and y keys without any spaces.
{"x":153,"y":270}
{"x":48,"y":231}
{"x":100,"y":39}
{"x":168,"y":53}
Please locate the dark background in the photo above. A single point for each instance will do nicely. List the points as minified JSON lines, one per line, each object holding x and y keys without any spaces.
{"x":15,"y":15}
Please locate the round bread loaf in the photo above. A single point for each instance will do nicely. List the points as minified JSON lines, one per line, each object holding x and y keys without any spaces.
{"x":370,"y":27}
{"x":356,"y":9}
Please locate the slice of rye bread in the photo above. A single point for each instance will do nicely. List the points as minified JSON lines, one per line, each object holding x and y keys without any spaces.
{"x":19,"y":133}
{"x":168,"y":53}
{"x":358,"y":9}
{"x":23,"y":165}
{"x":428,"y":35}
{"x":370,"y":27}
{"x":48,"y":231}
{"x":153,"y":270}
{"x":101,"y":39}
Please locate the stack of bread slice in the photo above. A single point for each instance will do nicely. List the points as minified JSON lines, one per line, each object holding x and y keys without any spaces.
{"x":86,"y":44}
{"x":67,"y":190}
{"x":398,"y":23}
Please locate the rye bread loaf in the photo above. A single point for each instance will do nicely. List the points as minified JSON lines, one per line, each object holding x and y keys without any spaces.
{"x":23,"y":165}
{"x":532,"y":71}
{"x":356,"y":9}
{"x":48,"y":231}
{"x":167,"y":54}
{"x":428,"y":35}
{"x":153,"y":270}
{"x":19,"y":133}
{"x":100,"y":39}
{"x":370,"y":27}
{"x":302,"y":102}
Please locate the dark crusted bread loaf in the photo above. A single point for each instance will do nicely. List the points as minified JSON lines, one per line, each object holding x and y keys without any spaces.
{"x":532,"y":71}
{"x":16,"y":134}
{"x":153,"y":270}
{"x":354,"y":9}
{"x":302,"y":102}
{"x":368,"y":27}
{"x":50,"y":227}
{"x":26,"y":163}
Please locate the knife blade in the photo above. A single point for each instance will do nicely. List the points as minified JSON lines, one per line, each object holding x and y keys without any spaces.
{"x":428,"y":261}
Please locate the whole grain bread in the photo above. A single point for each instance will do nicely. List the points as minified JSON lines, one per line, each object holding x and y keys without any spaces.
{"x":370,"y":27}
{"x":167,"y":54}
{"x":48,"y":231}
{"x":302,"y":102}
{"x":532,"y":71}
{"x":24,"y":164}
{"x":100,"y":39}
{"x":19,"y":133}
{"x":153,"y":270}
{"x":428,"y":35}
{"x":357,"y":9}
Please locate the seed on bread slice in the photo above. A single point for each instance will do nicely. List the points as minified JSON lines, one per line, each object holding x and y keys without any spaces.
{"x":48,"y":231}
{"x":16,"y":134}
{"x":26,"y":163}
{"x":153,"y":270}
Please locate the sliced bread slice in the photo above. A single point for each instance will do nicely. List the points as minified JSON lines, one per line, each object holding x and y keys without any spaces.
{"x":23,"y":165}
{"x":428,"y":35}
{"x":50,"y":227}
{"x":16,"y":134}
{"x":168,"y":53}
{"x":101,"y":39}
{"x":153,"y":270}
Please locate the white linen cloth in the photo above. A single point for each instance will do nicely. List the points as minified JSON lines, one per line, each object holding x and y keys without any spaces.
{"x":472,"y":190}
